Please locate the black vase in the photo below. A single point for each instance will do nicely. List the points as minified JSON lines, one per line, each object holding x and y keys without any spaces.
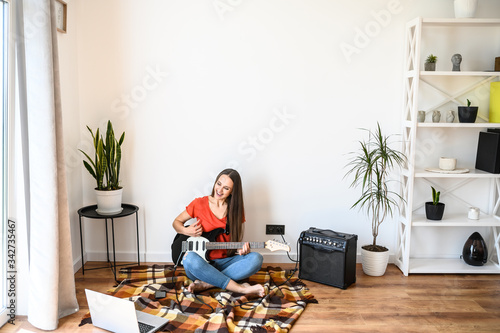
{"x":467,"y":114}
{"x":475,"y":252}
{"x":434,"y":212}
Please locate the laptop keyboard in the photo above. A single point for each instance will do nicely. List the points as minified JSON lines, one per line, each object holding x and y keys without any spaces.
{"x":145,"y":328}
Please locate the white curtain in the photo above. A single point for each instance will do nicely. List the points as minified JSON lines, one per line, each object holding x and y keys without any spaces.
{"x":52,"y":292}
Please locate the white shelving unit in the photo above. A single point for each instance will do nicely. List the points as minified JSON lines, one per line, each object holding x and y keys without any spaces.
{"x":412,"y":217}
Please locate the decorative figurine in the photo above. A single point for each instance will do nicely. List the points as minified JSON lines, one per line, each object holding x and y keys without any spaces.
{"x":456,"y":59}
{"x":436,"y":116}
{"x":421,"y":116}
{"x":450,"y":116}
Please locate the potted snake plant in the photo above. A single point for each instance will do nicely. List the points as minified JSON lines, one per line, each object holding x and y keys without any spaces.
{"x":434,"y":209}
{"x":371,"y":166}
{"x":105,"y":168}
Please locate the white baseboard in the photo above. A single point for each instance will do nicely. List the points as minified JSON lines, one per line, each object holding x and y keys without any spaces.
{"x":274,"y":257}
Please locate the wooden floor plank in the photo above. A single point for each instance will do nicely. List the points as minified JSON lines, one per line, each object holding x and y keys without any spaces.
{"x":390,"y":303}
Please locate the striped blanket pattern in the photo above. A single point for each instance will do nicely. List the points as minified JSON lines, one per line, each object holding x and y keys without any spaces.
{"x":214,"y":310}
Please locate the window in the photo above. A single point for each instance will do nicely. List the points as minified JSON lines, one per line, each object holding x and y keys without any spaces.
{"x":4,"y":29}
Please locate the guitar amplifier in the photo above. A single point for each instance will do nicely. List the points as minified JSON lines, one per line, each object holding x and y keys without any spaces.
{"x":328,"y":257}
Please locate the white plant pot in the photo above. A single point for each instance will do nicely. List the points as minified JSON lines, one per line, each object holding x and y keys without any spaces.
{"x":374,"y":263}
{"x":465,"y":8}
{"x":109,"y":202}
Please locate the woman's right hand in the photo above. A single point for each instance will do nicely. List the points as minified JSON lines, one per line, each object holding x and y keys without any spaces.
{"x":194,"y":230}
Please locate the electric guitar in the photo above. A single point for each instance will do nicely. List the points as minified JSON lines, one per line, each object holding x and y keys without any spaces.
{"x":201,"y":245}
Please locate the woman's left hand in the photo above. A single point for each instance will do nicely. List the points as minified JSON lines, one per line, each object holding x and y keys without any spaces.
{"x":245,"y":249}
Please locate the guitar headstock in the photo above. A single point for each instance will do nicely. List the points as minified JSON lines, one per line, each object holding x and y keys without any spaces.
{"x":274,"y":245}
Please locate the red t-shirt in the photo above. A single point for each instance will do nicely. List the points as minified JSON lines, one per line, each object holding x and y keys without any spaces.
{"x":200,"y":209}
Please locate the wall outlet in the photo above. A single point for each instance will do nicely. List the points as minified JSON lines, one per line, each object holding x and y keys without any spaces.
{"x":275,"y":229}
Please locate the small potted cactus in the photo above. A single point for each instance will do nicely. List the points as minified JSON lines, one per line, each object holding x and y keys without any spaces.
{"x":434,"y":209}
{"x":430,"y":63}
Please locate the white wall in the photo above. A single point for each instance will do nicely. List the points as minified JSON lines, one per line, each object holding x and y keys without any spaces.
{"x":262,"y":86}
{"x":68,"y":63}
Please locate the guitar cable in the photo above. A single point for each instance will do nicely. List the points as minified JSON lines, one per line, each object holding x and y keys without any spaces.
{"x":292,"y":273}
{"x":174,"y":284}
{"x":175,"y":288}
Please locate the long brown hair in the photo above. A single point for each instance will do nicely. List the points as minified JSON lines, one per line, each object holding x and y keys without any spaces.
{"x":235,"y":208}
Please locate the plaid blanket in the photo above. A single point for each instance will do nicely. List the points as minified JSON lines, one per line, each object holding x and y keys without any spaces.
{"x":214,"y":310}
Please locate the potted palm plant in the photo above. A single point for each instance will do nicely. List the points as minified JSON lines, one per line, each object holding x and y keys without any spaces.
{"x":105,"y":168}
{"x":371,"y":166}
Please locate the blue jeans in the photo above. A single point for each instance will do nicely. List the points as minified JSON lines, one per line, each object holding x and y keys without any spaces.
{"x":221,"y":271}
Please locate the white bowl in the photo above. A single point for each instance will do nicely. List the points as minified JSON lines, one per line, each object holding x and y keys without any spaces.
{"x":447,"y":163}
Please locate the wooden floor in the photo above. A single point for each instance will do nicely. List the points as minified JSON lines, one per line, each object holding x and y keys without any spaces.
{"x":391,"y":303}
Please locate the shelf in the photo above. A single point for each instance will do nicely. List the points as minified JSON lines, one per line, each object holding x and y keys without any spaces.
{"x":460,"y":125}
{"x":473,"y":173}
{"x":455,"y":220}
{"x":451,"y":266}
{"x":464,"y":21}
{"x":465,"y":73}
{"x":441,"y":89}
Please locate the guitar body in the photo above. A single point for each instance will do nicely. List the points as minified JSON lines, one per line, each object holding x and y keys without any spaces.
{"x":196,"y":243}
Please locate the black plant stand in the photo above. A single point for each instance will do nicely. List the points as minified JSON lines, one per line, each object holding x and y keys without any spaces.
{"x":90,"y":212}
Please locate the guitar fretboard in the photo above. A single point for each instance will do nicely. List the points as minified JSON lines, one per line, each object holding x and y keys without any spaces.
{"x":233,"y":245}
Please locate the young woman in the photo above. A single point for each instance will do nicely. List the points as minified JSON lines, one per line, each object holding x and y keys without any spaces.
{"x":222,"y":209}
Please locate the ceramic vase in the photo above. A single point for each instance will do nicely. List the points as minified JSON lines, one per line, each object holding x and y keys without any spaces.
{"x":421,"y":116}
{"x":109,"y":202}
{"x":374,"y":263}
{"x":450,"y":116}
{"x":465,"y":8}
{"x":436,"y":116}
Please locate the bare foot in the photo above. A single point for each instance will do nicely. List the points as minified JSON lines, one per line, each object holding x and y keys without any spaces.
{"x":256,"y":289}
{"x":198,"y":286}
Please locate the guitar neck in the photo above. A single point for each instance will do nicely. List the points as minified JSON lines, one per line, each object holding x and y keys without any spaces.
{"x":233,"y":245}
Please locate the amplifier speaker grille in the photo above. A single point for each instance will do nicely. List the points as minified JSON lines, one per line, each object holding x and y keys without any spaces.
{"x":328,"y":257}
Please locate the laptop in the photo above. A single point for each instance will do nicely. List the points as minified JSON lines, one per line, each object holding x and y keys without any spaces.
{"x":119,"y":315}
